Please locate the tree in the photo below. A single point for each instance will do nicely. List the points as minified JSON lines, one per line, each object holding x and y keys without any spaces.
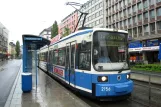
{"x":54,"y":30}
{"x":17,"y":48}
{"x":66,"y":32}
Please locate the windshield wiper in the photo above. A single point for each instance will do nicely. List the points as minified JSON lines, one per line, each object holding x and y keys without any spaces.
{"x":122,"y":68}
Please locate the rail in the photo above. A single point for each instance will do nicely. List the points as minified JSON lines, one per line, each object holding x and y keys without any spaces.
{"x":147,"y":92}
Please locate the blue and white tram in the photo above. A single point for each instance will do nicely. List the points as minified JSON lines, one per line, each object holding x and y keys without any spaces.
{"x":94,"y":61}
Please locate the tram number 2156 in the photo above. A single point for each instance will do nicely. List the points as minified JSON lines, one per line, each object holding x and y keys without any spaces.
{"x":105,"y":89}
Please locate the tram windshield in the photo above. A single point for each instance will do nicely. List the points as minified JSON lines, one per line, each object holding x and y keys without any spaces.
{"x":110,"y":51}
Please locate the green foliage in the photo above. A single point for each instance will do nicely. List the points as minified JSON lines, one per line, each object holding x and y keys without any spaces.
{"x":66,"y":32}
{"x":54,"y":30}
{"x":148,"y":67}
{"x":17,"y":48}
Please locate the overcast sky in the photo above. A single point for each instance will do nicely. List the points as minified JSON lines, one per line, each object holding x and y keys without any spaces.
{"x":32,"y":16}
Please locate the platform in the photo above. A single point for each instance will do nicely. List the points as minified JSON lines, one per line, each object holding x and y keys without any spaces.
{"x":49,"y":93}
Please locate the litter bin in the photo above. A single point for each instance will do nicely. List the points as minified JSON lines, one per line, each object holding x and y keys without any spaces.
{"x":26,"y":82}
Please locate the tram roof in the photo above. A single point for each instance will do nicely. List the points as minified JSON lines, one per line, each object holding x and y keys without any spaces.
{"x":34,"y":39}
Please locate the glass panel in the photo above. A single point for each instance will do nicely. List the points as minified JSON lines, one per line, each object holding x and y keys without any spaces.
{"x":109,"y":48}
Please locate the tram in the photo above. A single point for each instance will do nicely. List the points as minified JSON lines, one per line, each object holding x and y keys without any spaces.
{"x":92,"y":61}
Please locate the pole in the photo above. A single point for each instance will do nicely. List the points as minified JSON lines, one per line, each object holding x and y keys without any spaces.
{"x":36,"y":64}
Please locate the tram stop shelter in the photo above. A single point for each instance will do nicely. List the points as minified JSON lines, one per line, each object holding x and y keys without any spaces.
{"x":31,"y":43}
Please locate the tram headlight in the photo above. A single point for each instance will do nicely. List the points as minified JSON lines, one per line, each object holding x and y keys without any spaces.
{"x":102,"y":78}
{"x":128,"y":76}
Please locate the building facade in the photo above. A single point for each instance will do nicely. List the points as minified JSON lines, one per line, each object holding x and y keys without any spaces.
{"x":96,"y":14}
{"x":3,"y":42}
{"x":69,"y":22}
{"x":142,"y":19}
{"x":11,"y":50}
{"x":46,"y":33}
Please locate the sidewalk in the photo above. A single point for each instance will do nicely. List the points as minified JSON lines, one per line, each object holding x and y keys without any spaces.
{"x":49,"y":93}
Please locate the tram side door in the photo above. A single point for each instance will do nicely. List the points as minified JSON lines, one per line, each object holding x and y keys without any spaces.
{"x":70,"y":63}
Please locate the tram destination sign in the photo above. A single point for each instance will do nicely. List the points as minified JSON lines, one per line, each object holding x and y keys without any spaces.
{"x":30,"y":38}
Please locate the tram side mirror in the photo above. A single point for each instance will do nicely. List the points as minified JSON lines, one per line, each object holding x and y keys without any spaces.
{"x":83,"y":44}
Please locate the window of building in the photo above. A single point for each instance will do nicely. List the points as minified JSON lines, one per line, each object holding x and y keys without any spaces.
{"x":152,"y":27}
{"x":124,"y":12}
{"x":101,"y":20}
{"x":93,"y":8}
{"x":130,"y":31}
{"x":97,"y":6}
{"x":125,"y":22}
{"x":93,"y":16}
{"x":129,"y":10}
{"x":140,"y":17}
{"x":146,"y":29}
{"x":134,"y":19}
{"x":159,"y":11}
{"x":152,"y":15}
{"x":146,"y":15}
{"x":120,"y":23}
{"x":100,"y":12}
{"x":135,"y":31}
{"x":101,"y":5}
{"x":158,"y":1}
{"x":97,"y":22}
{"x":145,"y":3}
{"x":151,"y":2}
{"x":140,"y":29}
{"x":134,"y":8}
{"x":130,"y":21}
{"x":140,"y":6}
{"x":159,"y":25}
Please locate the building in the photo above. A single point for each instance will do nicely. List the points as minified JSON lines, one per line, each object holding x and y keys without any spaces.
{"x":11,"y":50}
{"x":142,"y":19}
{"x":46,"y":33}
{"x":96,"y":16}
{"x":3,"y":42}
{"x":69,"y":22}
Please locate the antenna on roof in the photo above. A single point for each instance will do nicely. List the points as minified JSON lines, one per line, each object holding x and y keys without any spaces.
{"x":82,"y":13}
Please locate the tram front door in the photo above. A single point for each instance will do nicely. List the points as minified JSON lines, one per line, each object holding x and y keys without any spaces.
{"x":70,"y":63}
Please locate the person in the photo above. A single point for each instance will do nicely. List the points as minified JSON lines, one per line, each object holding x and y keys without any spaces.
{"x":103,"y":58}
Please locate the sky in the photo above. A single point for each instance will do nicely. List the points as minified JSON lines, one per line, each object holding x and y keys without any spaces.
{"x":32,"y":16}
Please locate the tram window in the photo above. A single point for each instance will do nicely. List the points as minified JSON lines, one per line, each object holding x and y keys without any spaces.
{"x":84,"y":57}
{"x":61,"y":57}
{"x":55,"y":57}
{"x":72,"y":56}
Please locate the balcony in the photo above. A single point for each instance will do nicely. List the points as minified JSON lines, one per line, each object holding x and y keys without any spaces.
{"x":130,"y":26}
{"x":139,"y":1}
{"x":145,"y":9}
{"x":145,"y":20}
{"x":139,"y":11}
{"x":140,"y":34}
{"x":159,"y":30}
{"x":129,"y":4}
{"x":135,"y":35}
{"x":158,"y":18}
{"x":158,"y":4}
{"x":139,"y":22}
{"x":152,"y":32}
{"x":135,"y":24}
{"x":129,"y":14}
{"x":151,"y":7}
{"x":134,"y":13}
{"x":134,"y":1}
{"x":146,"y":33}
{"x":152,"y":20}
{"x":125,"y":17}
